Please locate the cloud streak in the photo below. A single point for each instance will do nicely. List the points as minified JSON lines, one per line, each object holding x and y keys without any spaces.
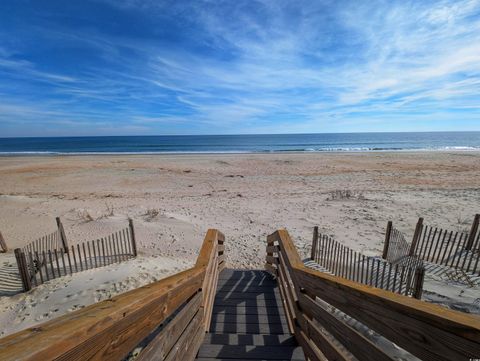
{"x":244,"y":67}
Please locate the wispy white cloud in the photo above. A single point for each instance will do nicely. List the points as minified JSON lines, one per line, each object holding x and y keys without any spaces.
{"x":274,"y":65}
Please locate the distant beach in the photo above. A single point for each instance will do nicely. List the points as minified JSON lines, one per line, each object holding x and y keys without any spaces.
{"x":258,"y":143}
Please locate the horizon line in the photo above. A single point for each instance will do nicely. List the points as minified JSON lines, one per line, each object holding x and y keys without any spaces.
{"x":240,"y":134}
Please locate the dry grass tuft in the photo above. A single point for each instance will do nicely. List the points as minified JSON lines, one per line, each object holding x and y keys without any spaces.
{"x":150,"y":214}
{"x":85,"y":216}
{"x":344,"y":194}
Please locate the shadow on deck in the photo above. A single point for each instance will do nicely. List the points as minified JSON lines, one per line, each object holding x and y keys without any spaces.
{"x":248,"y":321}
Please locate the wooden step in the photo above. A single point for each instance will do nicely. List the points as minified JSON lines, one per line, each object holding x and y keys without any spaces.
{"x":236,"y":359}
{"x":249,"y":339}
{"x":251,"y":318}
{"x":237,"y":327}
{"x":251,"y":352}
{"x":269,"y":295}
{"x":248,"y":302}
{"x":244,"y":283}
{"x":247,"y":286}
{"x":244,"y":272}
{"x":242,"y":309}
{"x":248,"y":320}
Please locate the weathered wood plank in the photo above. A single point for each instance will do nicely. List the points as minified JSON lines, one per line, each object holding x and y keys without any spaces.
{"x":249,"y":352}
{"x":189,"y":342}
{"x":256,"y":303}
{"x":246,"y":282}
{"x":311,"y":351}
{"x":161,"y":345}
{"x":428,"y":331}
{"x":250,"y":339}
{"x":242,"y":309}
{"x":248,"y":289}
{"x":266,"y":295}
{"x":321,"y":341}
{"x":354,"y":341}
{"x":243,"y":318}
{"x":249,"y":328}
{"x":107,"y":330}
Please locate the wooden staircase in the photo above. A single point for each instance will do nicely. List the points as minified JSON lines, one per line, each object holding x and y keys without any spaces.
{"x":248,"y":320}
{"x":211,"y":313}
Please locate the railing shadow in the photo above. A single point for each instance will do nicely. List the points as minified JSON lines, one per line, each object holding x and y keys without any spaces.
{"x":249,"y":304}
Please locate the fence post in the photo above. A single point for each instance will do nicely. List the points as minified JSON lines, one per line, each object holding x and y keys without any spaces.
{"x":418,"y":287}
{"x":473,"y":232}
{"x":416,"y":236}
{"x":314,"y":243}
{"x":62,"y":234}
{"x":22,"y":268}
{"x":3,"y":244}
{"x":388,"y":233}
{"x":134,"y":241}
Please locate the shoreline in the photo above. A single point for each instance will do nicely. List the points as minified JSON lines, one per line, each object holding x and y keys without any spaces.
{"x":200,"y":153}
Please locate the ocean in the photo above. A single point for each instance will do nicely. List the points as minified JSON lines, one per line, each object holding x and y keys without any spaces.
{"x":260,"y":143}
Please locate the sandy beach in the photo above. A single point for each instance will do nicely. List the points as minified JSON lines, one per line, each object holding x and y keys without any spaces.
{"x":174,"y":199}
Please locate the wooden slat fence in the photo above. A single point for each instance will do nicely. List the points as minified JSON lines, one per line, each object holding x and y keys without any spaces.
{"x":391,"y":323}
{"x":49,"y":260}
{"x":165,"y":320}
{"x":3,"y":244}
{"x":51,"y":241}
{"x":457,"y":250}
{"x":342,"y":261}
{"x":43,"y":244}
{"x":396,"y":247}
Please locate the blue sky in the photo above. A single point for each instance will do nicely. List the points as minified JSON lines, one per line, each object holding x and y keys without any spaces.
{"x":116,"y":67}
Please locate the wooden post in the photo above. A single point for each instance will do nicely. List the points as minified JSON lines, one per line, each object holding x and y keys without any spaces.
{"x":388,"y":233}
{"x":416,"y":236}
{"x":63,"y":237}
{"x":314,"y":243}
{"x":473,"y":232}
{"x":419,"y":277}
{"x":3,"y":244}
{"x":134,"y":241}
{"x":22,"y":268}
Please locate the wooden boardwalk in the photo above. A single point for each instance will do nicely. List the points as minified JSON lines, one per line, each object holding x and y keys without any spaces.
{"x":248,"y":321}
{"x":211,"y":313}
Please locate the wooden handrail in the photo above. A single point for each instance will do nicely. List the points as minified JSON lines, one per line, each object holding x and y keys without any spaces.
{"x":428,"y":331}
{"x":111,"y":329}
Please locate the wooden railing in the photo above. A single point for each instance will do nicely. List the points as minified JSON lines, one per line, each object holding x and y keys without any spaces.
{"x":323,"y":312}
{"x":167,"y":318}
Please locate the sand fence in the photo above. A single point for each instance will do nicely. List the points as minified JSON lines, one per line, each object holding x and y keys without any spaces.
{"x":333,"y":257}
{"x":50,"y":256}
{"x":443,"y":251}
{"x":3,"y":244}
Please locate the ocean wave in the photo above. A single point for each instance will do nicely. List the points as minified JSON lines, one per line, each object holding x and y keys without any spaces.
{"x":244,"y":151}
